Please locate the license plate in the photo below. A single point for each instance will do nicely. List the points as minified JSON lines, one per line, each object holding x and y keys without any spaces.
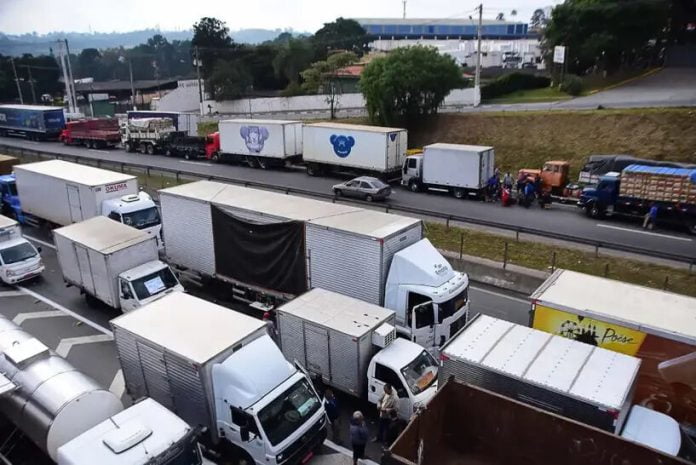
{"x":307,"y":457}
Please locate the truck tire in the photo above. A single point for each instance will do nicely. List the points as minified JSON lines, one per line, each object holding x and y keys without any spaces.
{"x":261,"y":163}
{"x":312,"y":170}
{"x":413,"y":185}
{"x":458,"y":193}
{"x":187,"y":156}
{"x":215,"y":157}
{"x":594,"y":211}
{"x":692,"y":229}
{"x":150,"y":149}
{"x":129,"y":147}
{"x":169,"y":152}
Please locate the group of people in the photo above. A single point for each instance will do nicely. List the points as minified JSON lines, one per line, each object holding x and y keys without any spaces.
{"x":389,"y":427}
{"x":528,"y":189}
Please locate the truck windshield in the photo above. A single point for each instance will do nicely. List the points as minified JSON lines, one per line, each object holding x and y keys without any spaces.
{"x":450,"y":307}
{"x":18,"y":253}
{"x":420,"y":373}
{"x":154,"y":283}
{"x":12,"y":186}
{"x":142,"y":219}
{"x":289,"y":411}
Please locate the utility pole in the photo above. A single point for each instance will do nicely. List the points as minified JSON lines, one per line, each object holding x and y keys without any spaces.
{"x":19,"y":88}
{"x":72,"y":80}
{"x":477,"y":80}
{"x":404,"y":2}
{"x":31,"y":85}
{"x":130,"y":73}
{"x":198,"y":76}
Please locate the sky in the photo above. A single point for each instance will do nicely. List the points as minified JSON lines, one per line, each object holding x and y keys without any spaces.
{"x":42,"y":16}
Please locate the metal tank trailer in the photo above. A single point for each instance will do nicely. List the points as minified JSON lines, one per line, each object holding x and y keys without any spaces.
{"x":45,"y":396}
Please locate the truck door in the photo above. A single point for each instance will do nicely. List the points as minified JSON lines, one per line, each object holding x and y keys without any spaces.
{"x":410,"y":169}
{"x":85,"y":266}
{"x":422,"y":324}
{"x":393,"y":150}
{"x":385,"y":375}
{"x":318,"y":356}
{"x":74,"y":203}
{"x":486,"y":169}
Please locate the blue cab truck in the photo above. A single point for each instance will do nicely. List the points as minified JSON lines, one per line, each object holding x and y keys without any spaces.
{"x":33,"y":122}
{"x":637,"y":188}
{"x":9,"y":199}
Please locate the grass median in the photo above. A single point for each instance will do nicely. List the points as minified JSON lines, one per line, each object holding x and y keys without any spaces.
{"x":540,"y":256}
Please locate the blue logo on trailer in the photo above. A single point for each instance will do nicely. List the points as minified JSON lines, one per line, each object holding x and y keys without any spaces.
{"x":254,"y":137}
{"x":342,"y":145}
{"x":392,"y":136}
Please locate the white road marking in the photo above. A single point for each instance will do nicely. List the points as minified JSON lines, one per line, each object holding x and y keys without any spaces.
{"x":195,"y":163}
{"x":66,"y":344}
{"x":118,"y":385}
{"x":342,"y":450}
{"x":67,"y":311}
{"x":39,"y":241}
{"x":497,"y":294}
{"x":676,"y":238}
{"x":12,"y":294}
{"x":98,"y":151}
{"x":22,"y":317}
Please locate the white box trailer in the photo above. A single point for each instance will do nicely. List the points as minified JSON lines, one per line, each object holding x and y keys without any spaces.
{"x":63,"y":193}
{"x":260,"y":141}
{"x":93,"y":253}
{"x":356,"y":148}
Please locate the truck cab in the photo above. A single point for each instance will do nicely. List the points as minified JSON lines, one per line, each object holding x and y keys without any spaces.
{"x":430,"y":299}
{"x":146,"y":283}
{"x":19,"y":259}
{"x":9,"y":198}
{"x":412,"y":172}
{"x":136,"y":210}
{"x":212,"y":146}
{"x":600,"y":199}
{"x":410,"y":369}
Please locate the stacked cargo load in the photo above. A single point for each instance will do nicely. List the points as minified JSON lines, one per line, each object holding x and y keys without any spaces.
{"x":676,"y":185}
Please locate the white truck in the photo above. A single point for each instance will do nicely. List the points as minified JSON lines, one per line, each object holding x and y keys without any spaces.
{"x":220,"y":370}
{"x":19,"y":259}
{"x":147,"y":135}
{"x":144,"y":434}
{"x":570,"y":378}
{"x":259,"y":143}
{"x":372,"y":150}
{"x":273,"y":247}
{"x":461,"y":170}
{"x":352,"y":346}
{"x":60,"y":193}
{"x":113,"y":263}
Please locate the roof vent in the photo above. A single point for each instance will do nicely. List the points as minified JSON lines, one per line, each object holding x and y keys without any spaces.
{"x":127,"y":436}
{"x":130,"y":198}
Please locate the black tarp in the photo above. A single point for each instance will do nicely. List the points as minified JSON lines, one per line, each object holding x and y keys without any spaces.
{"x":270,"y":255}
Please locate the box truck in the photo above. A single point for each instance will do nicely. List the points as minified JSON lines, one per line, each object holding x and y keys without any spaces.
{"x":220,"y":370}
{"x":60,"y":193}
{"x":352,"y":346}
{"x":35,"y":122}
{"x":372,"y":150}
{"x":465,"y":424}
{"x":656,"y":326}
{"x":259,"y":143}
{"x":461,"y":170}
{"x":19,"y":259}
{"x":113,"y":263}
{"x":272,"y":247}
{"x":570,"y":378}
{"x":183,"y":122}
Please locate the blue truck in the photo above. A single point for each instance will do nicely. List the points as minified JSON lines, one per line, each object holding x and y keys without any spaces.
{"x":9,"y":198}
{"x":33,"y":122}
{"x":638,"y":188}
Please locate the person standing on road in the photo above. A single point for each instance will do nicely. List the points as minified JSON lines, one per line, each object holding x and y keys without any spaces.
{"x":396,"y":426}
{"x":387,"y":403}
{"x":334,"y":415}
{"x":651,"y":217}
{"x":508,"y":181}
{"x":358,"y":436}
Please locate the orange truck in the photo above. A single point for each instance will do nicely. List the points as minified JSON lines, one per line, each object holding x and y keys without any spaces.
{"x":554,"y":179}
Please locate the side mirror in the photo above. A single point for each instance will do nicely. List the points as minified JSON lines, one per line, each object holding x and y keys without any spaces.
{"x":38,"y":249}
{"x":244,"y":433}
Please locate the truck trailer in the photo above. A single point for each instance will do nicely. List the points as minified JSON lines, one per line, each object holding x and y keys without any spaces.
{"x":186,"y":123}
{"x":461,"y":170}
{"x":34,"y":122}
{"x":259,"y":143}
{"x":272,"y":247}
{"x":371,"y":150}
{"x":113,"y":263}
{"x":656,"y":326}
{"x":93,"y":133}
{"x":352,"y":346}
{"x":19,"y":259}
{"x":61,"y":193}
{"x":465,"y":424}
{"x":220,"y":370}
{"x":147,"y":135}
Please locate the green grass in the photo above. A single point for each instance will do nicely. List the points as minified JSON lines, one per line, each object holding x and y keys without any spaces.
{"x":207,"y":127}
{"x":547,"y":94}
{"x":539,"y":256}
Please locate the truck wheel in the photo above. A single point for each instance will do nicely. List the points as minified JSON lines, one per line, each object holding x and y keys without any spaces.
{"x":150,"y":149}
{"x":261,"y":163}
{"x":593,"y":211}
{"x":142,"y":148}
{"x":187,"y":156}
{"x":312,"y":170}
{"x":215,"y":157}
{"x":692,"y":229}
{"x":413,"y":185}
{"x":458,"y":193}
{"x":129,"y":147}
{"x":168,"y":152}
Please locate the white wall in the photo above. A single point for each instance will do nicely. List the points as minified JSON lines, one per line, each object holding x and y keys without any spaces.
{"x":184,"y":98}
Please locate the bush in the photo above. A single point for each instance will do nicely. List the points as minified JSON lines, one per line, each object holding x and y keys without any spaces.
{"x":572,"y":85}
{"x":293,"y":89}
{"x":512,"y":83}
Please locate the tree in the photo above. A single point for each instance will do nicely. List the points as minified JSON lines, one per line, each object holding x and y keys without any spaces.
{"x":321,"y":77}
{"x":341,"y":34}
{"x":212,"y":38}
{"x":292,"y":58}
{"x":229,"y":80}
{"x":88,"y":62}
{"x":538,"y":20}
{"x":500,"y":17}
{"x":408,"y":84}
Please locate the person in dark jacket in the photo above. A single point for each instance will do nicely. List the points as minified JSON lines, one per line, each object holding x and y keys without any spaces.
{"x":396,"y":426}
{"x":333,"y":414}
{"x":358,"y":436}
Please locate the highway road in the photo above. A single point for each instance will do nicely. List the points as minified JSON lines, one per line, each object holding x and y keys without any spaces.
{"x":60,"y":317}
{"x":559,"y":218}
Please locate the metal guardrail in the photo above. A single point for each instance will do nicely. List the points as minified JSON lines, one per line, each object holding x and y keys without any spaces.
{"x":178,"y":174}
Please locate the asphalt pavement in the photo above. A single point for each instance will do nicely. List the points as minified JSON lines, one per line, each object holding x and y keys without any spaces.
{"x":558,"y":218}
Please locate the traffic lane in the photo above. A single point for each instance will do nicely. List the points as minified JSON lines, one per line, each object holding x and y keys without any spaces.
{"x":504,"y":305}
{"x":561,"y":219}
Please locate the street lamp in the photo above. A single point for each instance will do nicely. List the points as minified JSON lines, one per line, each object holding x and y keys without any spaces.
{"x":123,"y":59}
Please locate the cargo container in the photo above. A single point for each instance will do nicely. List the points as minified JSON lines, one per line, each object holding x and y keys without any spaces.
{"x":352,"y":346}
{"x":183,"y":122}
{"x":219,"y":369}
{"x":148,"y":135}
{"x":372,"y":150}
{"x":60,"y":193}
{"x":34,"y":122}
{"x":259,"y":143}
{"x":7,"y":163}
{"x":19,"y":259}
{"x":113,"y":263}
{"x":465,"y":424}
{"x":92,"y":133}
{"x":658,"y":327}
{"x":461,"y":170}
{"x":272,"y":247}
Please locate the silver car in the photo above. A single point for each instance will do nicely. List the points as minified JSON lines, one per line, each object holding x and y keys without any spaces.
{"x":364,"y":187}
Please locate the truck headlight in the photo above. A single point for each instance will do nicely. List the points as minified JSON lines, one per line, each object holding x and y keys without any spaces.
{"x":12,"y":273}
{"x":279,"y":457}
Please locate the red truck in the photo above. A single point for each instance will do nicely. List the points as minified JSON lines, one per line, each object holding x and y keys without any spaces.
{"x":92,"y":133}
